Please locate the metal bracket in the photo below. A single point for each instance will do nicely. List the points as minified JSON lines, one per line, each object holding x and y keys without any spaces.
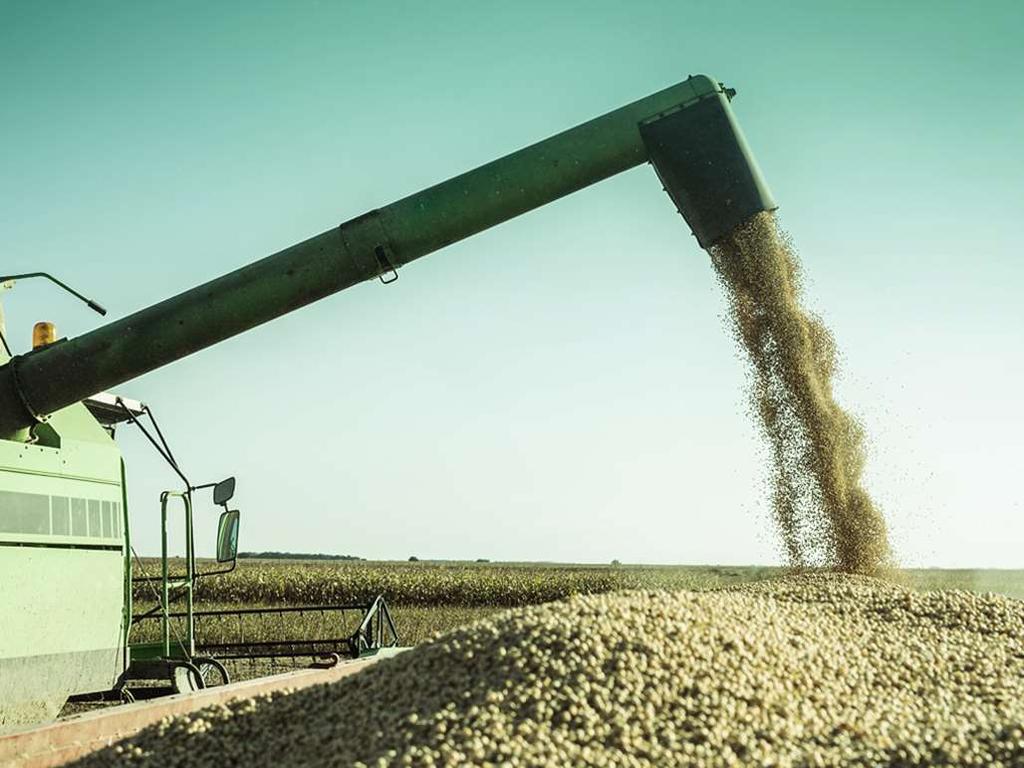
{"x":388,"y":273}
{"x":368,"y":245}
{"x":39,"y":418}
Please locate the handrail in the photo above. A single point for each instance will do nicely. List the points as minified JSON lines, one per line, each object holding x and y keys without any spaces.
{"x":190,"y":566}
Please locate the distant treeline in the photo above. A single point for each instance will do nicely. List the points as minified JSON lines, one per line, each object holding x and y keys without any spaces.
{"x":295,"y":556}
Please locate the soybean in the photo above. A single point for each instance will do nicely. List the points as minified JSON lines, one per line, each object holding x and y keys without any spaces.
{"x":819,"y":669}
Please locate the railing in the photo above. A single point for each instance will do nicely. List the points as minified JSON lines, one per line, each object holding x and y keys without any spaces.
{"x":270,"y":633}
{"x":188,"y":583}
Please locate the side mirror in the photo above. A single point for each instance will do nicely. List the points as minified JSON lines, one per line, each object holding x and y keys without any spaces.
{"x":227,"y":536}
{"x":224,"y":491}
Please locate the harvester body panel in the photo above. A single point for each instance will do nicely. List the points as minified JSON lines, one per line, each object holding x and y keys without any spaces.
{"x":63,"y":535}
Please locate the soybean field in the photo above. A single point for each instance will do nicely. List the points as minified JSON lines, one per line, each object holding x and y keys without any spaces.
{"x":431,"y":597}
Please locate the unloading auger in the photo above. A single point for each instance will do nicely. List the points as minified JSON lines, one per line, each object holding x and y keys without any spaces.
{"x":687,"y":132}
{"x":65,"y":564}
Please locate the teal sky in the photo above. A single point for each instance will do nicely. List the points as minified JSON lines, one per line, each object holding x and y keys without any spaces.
{"x":562,"y":387}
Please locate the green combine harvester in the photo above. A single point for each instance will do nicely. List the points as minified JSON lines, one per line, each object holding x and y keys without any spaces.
{"x":65,"y":530}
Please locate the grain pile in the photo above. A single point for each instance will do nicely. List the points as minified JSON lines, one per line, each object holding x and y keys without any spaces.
{"x":804,"y":671}
{"x":825,"y":516}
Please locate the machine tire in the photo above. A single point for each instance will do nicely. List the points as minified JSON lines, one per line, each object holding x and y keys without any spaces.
{"x":211,"y":671}
{"x":186,"y":678}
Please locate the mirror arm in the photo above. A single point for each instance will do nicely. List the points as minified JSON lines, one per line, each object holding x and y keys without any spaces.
{"x":162,"y":448}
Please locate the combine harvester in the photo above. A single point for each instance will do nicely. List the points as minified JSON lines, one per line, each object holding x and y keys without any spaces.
{"x":65,"y":545}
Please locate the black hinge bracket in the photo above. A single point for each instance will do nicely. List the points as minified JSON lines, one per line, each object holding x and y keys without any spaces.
{"x":19,"y":390}
{"x":368,"y":245}
{"x":388,"y":274}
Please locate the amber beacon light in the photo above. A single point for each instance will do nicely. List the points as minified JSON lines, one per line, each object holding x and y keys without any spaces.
{"x":43,"y":333}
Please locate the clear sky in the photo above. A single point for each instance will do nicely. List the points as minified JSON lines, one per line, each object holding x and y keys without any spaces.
{"x":562,"y":387}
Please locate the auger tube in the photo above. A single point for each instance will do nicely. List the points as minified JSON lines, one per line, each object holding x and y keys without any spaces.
{"x":687,"y":131}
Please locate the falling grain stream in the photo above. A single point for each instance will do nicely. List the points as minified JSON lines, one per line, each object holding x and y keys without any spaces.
{"x":824,"y":514}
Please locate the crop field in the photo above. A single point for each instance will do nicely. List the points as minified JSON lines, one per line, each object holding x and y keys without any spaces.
{"x":427,"y":598}
{"x":430,"y":584}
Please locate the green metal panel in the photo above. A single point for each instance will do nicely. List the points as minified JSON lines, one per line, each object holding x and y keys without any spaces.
{"x":34,"y":689}
{"x":62,"y":571}
{"x":62,"y":614}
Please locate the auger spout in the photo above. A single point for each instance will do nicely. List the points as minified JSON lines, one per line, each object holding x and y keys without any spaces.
{"x":687,"y":131}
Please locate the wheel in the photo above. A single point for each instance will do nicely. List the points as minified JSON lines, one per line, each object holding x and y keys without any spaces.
{"x":211,"y":671}
{"x":186,"y":678}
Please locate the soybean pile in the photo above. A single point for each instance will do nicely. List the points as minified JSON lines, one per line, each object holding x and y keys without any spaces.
{"x":821,"y":508}
{"x":810,"y":670}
